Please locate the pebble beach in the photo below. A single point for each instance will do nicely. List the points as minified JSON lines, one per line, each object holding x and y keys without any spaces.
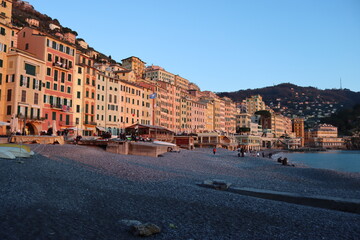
{"x":81,"y":192}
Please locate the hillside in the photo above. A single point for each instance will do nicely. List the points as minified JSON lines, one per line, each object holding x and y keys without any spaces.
{"x":295,"y":101}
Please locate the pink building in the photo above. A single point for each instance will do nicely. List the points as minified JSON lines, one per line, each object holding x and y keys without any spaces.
{"x":60,"y":59}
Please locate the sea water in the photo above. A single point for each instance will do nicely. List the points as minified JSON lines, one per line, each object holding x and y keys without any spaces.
{"x":346,"y":161}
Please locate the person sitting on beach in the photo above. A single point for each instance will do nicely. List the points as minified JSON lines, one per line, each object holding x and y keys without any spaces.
{"x":239,"y":152}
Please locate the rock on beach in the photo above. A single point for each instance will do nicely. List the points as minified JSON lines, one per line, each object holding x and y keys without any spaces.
{"x":81,"y":192}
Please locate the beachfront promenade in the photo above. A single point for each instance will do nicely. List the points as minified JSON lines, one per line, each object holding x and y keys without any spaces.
{"x":82,"y":192}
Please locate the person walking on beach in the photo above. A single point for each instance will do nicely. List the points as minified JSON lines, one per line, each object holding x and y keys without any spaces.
{"x":214,"y":150}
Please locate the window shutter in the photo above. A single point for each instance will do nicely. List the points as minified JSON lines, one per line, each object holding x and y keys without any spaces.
{"x":21,"y":80}
{"x":34,"y":83}
{"x":28,"y":82}
{"x":40,"y":85}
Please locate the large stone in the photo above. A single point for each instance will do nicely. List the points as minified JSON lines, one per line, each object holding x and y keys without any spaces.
{"x":145,"y":230}
{"x":130,"y":223}
{"x":217,"y":184}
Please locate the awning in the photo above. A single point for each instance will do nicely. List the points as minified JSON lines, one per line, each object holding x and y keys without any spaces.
{"x":101,"y":129}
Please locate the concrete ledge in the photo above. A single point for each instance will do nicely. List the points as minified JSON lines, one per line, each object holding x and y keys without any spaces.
{"x":333,"y":203}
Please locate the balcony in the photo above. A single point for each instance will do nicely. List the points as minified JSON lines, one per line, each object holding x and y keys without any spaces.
{"x":90,"y":123}
{"x":61,"y":107}
{"x":61,"y":65}
{"x":67,"y":123}
{"x":30,"y":118}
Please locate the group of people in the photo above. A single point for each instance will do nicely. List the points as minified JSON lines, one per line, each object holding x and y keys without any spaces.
{"x":242,"y":152}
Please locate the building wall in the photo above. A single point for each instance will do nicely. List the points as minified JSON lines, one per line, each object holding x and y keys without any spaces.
{"x":298,"y":129}
{"x":24,"y":90}
{"x":135,"y":64}
{"x":254,"y":104}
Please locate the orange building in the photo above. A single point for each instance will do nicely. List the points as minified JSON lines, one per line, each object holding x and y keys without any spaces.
{"x":60,"y":59}
{"x":298,"y":129}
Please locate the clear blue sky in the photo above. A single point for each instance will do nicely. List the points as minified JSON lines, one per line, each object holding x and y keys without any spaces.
{"x":226,"y":45}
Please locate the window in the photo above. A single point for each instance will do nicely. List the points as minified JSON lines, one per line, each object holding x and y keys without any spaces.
{"x":55,"y":86}
{"x":62,"y":88}
{"x":54,"y":116}
{"x":2,"y":47}
{"x":49,"y":57}
{"x":55,"y":75}
{"x":1,"y":63}
{"x":48,"y":85}
{"x":62,"y":77}
{"x":23,"y":96}
{"x":26,"y":46}
{"x":8,"y":95}
{"x":2,"y":31}
{"x":48,"y":71}
{"x":36,"y":98}
{"x":8,"y":110}
{"x":68,"y":89}
{"x":78,"y":95}
{"x":87,"y":94}
{"x":77,"y":108}
{"x":69,"y":77}
{"x":79,"y":81}
{"x":79,"y":70}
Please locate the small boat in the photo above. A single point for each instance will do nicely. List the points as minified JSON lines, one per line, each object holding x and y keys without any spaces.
{"x":165,"y":143}
{"x":6,"y":154}
{"x":16,"y":149}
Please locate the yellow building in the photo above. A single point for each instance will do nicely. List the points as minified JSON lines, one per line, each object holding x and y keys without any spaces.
{"x":181,"y":82}
{"x":135,"y":104}
{"x":254,"y":104}
{"x":77,"y":98}
{"x":156,"y":73}
{"x":135,"y":64}
{"x":324,"y":136}
{"x":230,"y":115}
{"x":24,"y":91}
{"x":86,"y":73}
{"x":6,"y":35}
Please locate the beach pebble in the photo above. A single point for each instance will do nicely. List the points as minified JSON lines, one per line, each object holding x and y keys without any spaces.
{"x":145,"y":230}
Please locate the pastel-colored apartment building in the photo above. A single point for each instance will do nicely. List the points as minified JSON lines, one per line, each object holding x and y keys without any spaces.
{"x":230,"y":111}
{"x":24,"y":91}
{"x":181,"y":82}
{"x":156,"y":73}
{"x":136,"y":65}
{"x":59,"y":57}
{"x":323,"y":136}
{"x":254,"y":103}
{"x":298,"y":129}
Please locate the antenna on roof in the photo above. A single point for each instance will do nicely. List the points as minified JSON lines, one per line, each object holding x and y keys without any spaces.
{"x":340,"y":84}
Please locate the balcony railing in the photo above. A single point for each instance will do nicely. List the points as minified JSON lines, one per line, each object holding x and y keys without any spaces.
{"x":66,"y":123}
{"x":30,"y":118}
{"x":90,"y":123}
{"x":61,"y":107}
{"x":61,"y":65}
